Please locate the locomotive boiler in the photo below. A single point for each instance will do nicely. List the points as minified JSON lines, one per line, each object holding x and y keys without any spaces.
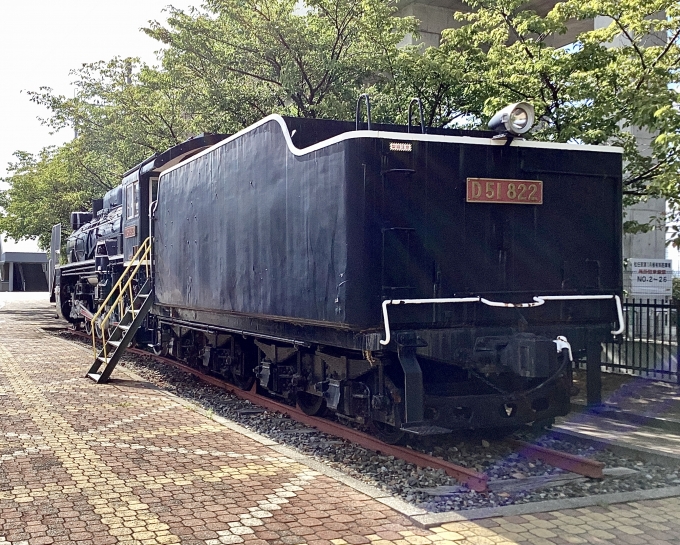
{"x":416,"y":280}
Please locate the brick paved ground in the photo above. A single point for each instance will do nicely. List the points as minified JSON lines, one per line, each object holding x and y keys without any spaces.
{"x":91,"y":464}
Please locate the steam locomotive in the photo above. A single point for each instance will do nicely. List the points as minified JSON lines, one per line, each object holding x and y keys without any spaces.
{"x":414,"y":279}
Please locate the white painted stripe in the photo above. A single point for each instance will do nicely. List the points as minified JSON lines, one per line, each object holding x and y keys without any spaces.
{"x":538,"y":300}
{"x":411,"y":137}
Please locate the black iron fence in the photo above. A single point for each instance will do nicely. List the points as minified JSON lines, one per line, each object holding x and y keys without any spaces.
{"x":649,"y":346}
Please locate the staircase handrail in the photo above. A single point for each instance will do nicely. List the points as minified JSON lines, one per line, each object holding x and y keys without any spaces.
{"x":140,"y":256}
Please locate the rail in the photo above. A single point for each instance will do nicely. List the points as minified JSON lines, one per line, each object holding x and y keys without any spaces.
{"x":141,"y":257}
{"x":473,"y":479}
{"x":537,"y":302}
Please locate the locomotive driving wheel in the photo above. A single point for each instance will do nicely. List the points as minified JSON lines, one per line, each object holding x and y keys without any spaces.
{"x":112,"y":324}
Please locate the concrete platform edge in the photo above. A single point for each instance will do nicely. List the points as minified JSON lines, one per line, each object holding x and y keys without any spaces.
{"x":663,"y":459}
{"x":606,"y":411}
{"x":436,"y":519}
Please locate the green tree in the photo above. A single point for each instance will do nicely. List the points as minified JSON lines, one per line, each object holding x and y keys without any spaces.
{"x":235,"y":61}
{"x":588,"y":92}
{"x":245,"y":59}
{"x":45,"y":189}
{"x":223,"y":68}
{"x":122,"y":112}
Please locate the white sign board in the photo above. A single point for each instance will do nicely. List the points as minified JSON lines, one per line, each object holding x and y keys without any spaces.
{"x":651,"y":277}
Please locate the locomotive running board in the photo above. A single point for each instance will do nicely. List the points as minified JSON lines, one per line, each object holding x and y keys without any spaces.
{"x":122,"y":336}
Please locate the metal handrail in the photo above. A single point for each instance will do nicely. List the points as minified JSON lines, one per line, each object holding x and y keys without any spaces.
{"x":141,"y":257}
{"x":357,"y":116}
{"x":538,"y":300}
{"x":420,"y":111}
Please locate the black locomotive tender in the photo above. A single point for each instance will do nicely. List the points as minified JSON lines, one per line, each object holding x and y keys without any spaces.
{"x":416,"y":281}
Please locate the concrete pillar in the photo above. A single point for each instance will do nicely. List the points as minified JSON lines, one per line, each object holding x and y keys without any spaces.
{"x":433,"y":20}
{"x":11,"y":276}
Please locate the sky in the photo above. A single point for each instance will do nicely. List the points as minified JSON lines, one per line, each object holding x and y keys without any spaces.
{"x":42,"y":40}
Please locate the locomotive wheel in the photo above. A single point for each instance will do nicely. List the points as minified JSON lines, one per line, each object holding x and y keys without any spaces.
{"x":243,"y":383}
{"x":112,"y":323}
{"x":387,"y":433}
{"x":88,"y":327}
{"x":98,"y":329}
{"x":310,"y":404}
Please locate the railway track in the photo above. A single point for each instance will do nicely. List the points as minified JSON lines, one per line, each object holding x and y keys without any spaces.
{"x":473,"y":479}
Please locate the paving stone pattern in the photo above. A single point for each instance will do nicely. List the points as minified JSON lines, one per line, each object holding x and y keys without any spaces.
{"x":89,"y":464}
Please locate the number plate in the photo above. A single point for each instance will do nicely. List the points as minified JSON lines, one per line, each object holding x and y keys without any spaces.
{"x":504,"y":191}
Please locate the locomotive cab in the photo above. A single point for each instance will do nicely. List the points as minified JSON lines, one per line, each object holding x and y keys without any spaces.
{"x":135,"y":190}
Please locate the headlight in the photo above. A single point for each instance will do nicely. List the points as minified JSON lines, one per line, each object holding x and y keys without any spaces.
{"x":515,"y":119}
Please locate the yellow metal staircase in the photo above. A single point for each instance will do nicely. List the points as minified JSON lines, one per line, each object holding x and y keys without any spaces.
{"x":131,"y":317}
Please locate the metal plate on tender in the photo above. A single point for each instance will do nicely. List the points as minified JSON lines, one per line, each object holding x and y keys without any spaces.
{"x":130,"y":231}
{"x":401,"y":146}
{"x":492,"y":190}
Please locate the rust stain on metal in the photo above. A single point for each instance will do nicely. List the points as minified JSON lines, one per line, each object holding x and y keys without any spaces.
{"x":563,"y":460}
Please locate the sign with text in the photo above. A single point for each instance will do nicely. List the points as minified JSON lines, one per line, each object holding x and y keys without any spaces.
{"x":130,"y":231}
{"x":492,"y":190}
{"x":651,"y":277}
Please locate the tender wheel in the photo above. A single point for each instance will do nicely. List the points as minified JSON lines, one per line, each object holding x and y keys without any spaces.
{"x":243,"y":383}
{"x":310,"y":404}
{"x":161,"y":348}
{"x":387,"y":433}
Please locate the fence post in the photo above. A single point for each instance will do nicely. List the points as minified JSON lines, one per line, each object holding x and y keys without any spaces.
{"x":593,"y":370}
{"x":677,"y":339}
